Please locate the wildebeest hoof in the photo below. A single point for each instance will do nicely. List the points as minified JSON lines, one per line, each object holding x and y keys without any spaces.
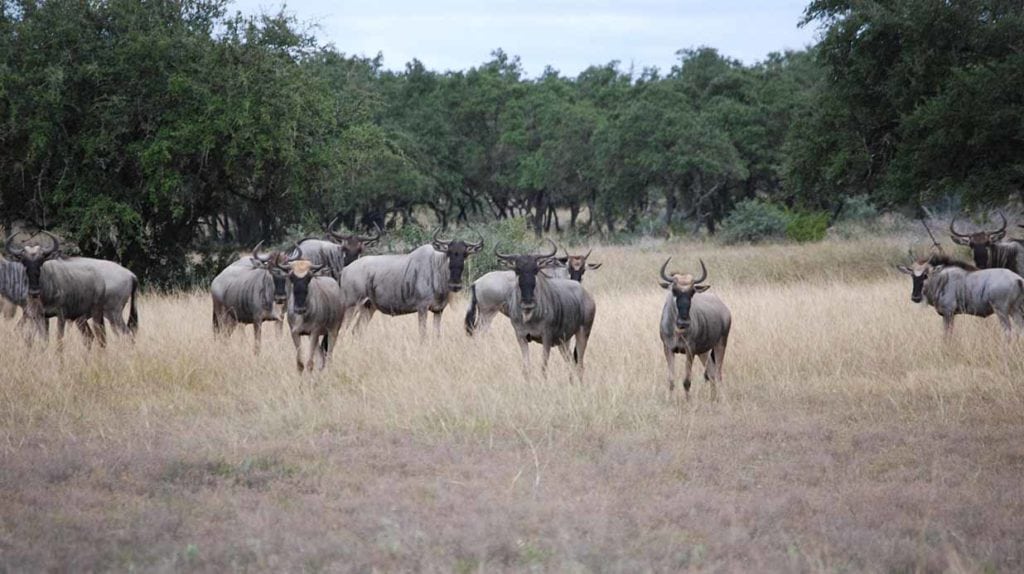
{"x":686,"y":385}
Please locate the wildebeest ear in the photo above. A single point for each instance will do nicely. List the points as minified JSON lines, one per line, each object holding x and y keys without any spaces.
{"x":474,"y":247}
{"x":563,"y":259}
{"x":960,"y":240}
{"x":593,"y":265}
{"x":664,"y":284}
{"x":701,"y":288}
{"x":371,"y":242}
{"x":997,"y":235}
{"x":904,"y":269}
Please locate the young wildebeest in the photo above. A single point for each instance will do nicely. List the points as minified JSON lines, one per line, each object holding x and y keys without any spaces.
{"x":337,"y":250}
{"x":70,"y":290}
{"x":989,"y":248}
{"x":413,"y":283}
{"x":548,"y":311}
{"x":249,"y":291}
{"x":315,"y":309}
{"x":956,"y":288}
{"x":490,"y":292}
{"x":120,"y":286}
{"x":695,"y":323}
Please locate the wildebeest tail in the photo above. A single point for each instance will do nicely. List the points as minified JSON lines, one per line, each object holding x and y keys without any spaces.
{"x":575,"y":355}
{"x":133,"y":313}
{"x":323,"y":343}
{"x":472,"y":311}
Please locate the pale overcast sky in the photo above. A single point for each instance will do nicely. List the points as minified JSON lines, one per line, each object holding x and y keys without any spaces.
{"x":567,"y":34}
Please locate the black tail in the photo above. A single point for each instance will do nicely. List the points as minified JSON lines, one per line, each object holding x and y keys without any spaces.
{"x":471,"y":312}
{"x":711,"y":361}
{"x":575,"y":354}
{"x":323,"y":344}
{"x":133,"y":313}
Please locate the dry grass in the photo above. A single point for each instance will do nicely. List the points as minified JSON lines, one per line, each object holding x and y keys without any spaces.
{"x":848,"y":436}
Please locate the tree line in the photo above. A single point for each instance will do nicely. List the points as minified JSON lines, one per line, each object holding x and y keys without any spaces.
{"x":150,"y":131}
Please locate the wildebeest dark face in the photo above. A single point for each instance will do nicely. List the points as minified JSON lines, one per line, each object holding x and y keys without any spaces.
{"x":684,"y":286}
{"x":918,"y":272}
{"x":577,"y":265}
{"x":352,"y":246}
{"x":980,"y":242}
{"x":456,"y":251}
{"x":32,"y":258}
{"x":300,"y":276}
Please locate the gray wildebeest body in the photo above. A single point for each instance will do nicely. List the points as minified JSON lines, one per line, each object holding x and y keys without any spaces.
{"x":416,"y":282}
{"x":250,"y":291}
{"x":957,"y":288}
{"x":336,"y":250}
{"x":315,"y":310}
{"x":68,"y":289}
{"x":694,"y":323}
{"x":548,"y":311}
{"x":490,"y":292}
{"x":989,"y":248}
{"x":121,"y":287}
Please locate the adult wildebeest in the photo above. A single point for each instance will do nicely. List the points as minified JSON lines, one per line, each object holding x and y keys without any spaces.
{"x":957,"y":288}
{"x":416,"y":282}
{"x":249,"y":291}
{"x":990,"y":249}
{"x":68,"y":289}
{"x":336,"y":250}
{"x":548,"y":311}
{"x":695,"y":323}
{"x":121,"y":286}
{"x":490,"y":292}
{"x":315,"y":309}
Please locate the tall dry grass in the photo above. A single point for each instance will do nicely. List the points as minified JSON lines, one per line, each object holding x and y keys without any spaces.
{"x":847,"y":435}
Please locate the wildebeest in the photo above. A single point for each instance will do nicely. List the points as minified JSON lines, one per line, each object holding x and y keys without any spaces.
{"x":694,"y":323}
{"x":416,"y":282}
{"x":315,"y":309}
{"x":957,"y":288}
{"x":121,"y":287}
{"x":489,"y":293}
{"x":990,"y":249}
{"x":249,"y":291}
{"x":548,"y":311}
{"x":337,"y":250}
{"x":68,"y":289}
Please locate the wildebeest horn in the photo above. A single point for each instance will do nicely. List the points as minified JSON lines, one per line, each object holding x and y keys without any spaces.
{"x":664,"y":277}
{"x":437,"y":242}
{"x":1001,"y":229}
{"x":554,"y":250}
{"x":703,"y":273}
{"x":330,"y":226}
{"x":367,"y":239}
{"x":295,"y":254}
{"x":478,"y":244}
{"x":256,"y":253}
{"x":501,"y":255}
{"x":953,"y":230}
{"x":55,"y":247}
{"x":11,"y":248}
{"x":591,"y":250}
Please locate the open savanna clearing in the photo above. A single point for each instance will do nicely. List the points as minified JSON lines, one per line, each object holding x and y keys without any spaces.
{"x":848,"y":435}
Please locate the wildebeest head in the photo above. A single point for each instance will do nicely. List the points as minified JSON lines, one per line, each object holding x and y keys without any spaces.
{"x":526,"y":268}
{"x":684,"y":286}
{"x":918,"y":270}
{"x":979,"y":242}
{"x":272,"y":262}
{"x":577,"y":265}
{"x":456,"y":251}
{"x":352,"y":245}
{"x":32,"y":258}
{"x":300,"y":273}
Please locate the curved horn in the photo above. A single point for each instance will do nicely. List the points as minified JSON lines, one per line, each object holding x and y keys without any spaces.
{"x":554,"y":250}
{"x":53,"y":238}
{"x":591,"y":250}
{"x":330,"y":226}
{"x":953,"y":229}
{"x":367,"y":239}
{"x":438,"y":243}
{"x":661,"y":273}
{"x":11,"y":248}
{"x":501,"y":255}
{"x":256,"y":253}
{"x":703,"y":273}
{"x":478,"y":244}
{"x":1001,"y":229}
{"x":295,"y":254}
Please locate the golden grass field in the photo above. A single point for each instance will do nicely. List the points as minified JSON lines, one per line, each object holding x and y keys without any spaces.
{"x":848,"y":436}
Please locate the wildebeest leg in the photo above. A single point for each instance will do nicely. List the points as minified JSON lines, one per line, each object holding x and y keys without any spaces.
{"x":421,"y":318}
{"x":117,"y":321}
{"x":257,"y":333}
{"x":582,"y":339}
{"x":719,"y":354}
{"x":98,"y":327}
{"x":437,"y":323}
{"x":297,"y":341}
{"x":366,"y":311}
{"x":710,"y":366}
{"x":689,"y":370}
{"x":947,"y":323}
{"x":670,"y":361}
{"x":314,"y":351}
{"x":83,"y":327}
{"x":332,"y":340}
{"x":524,"y":347}
{"x":545,"y":354}
{"x":483,"y":323}
{"x":61,"y":324}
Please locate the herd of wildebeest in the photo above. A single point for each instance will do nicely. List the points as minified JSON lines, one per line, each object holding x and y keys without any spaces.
{"x":321,"y":284}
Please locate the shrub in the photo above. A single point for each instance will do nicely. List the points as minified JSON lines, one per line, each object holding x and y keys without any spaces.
{"x":754,"y":220}
{"x":807,"y":226}
{"x":857,"y":208}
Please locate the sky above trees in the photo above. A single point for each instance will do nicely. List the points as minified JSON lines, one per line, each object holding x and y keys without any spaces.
{"x":566,"y":34}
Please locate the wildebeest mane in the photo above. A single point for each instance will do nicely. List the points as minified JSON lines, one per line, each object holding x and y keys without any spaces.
{"x":938,"y":259}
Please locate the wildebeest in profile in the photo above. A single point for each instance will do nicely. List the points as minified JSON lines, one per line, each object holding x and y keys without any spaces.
{"x":250,"y":291}
{"x":490,"y":292}
{"x":548,"y":311}
{"x":68,"y":289}
{"x":694,"y":323}
{"x":990,"y":249}
{"x":315,"y":310}
{"x":954,"y":288}
{"x":337,"y":250}
{"x":416,"y":282}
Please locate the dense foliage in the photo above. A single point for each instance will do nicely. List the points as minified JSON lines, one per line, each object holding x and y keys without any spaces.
{"x":152,"y":131}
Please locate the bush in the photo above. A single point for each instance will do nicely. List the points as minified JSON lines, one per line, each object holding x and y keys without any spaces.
{"x":857,"y":208}
{"x":807,"y":226}
{"x":754,"y":220}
